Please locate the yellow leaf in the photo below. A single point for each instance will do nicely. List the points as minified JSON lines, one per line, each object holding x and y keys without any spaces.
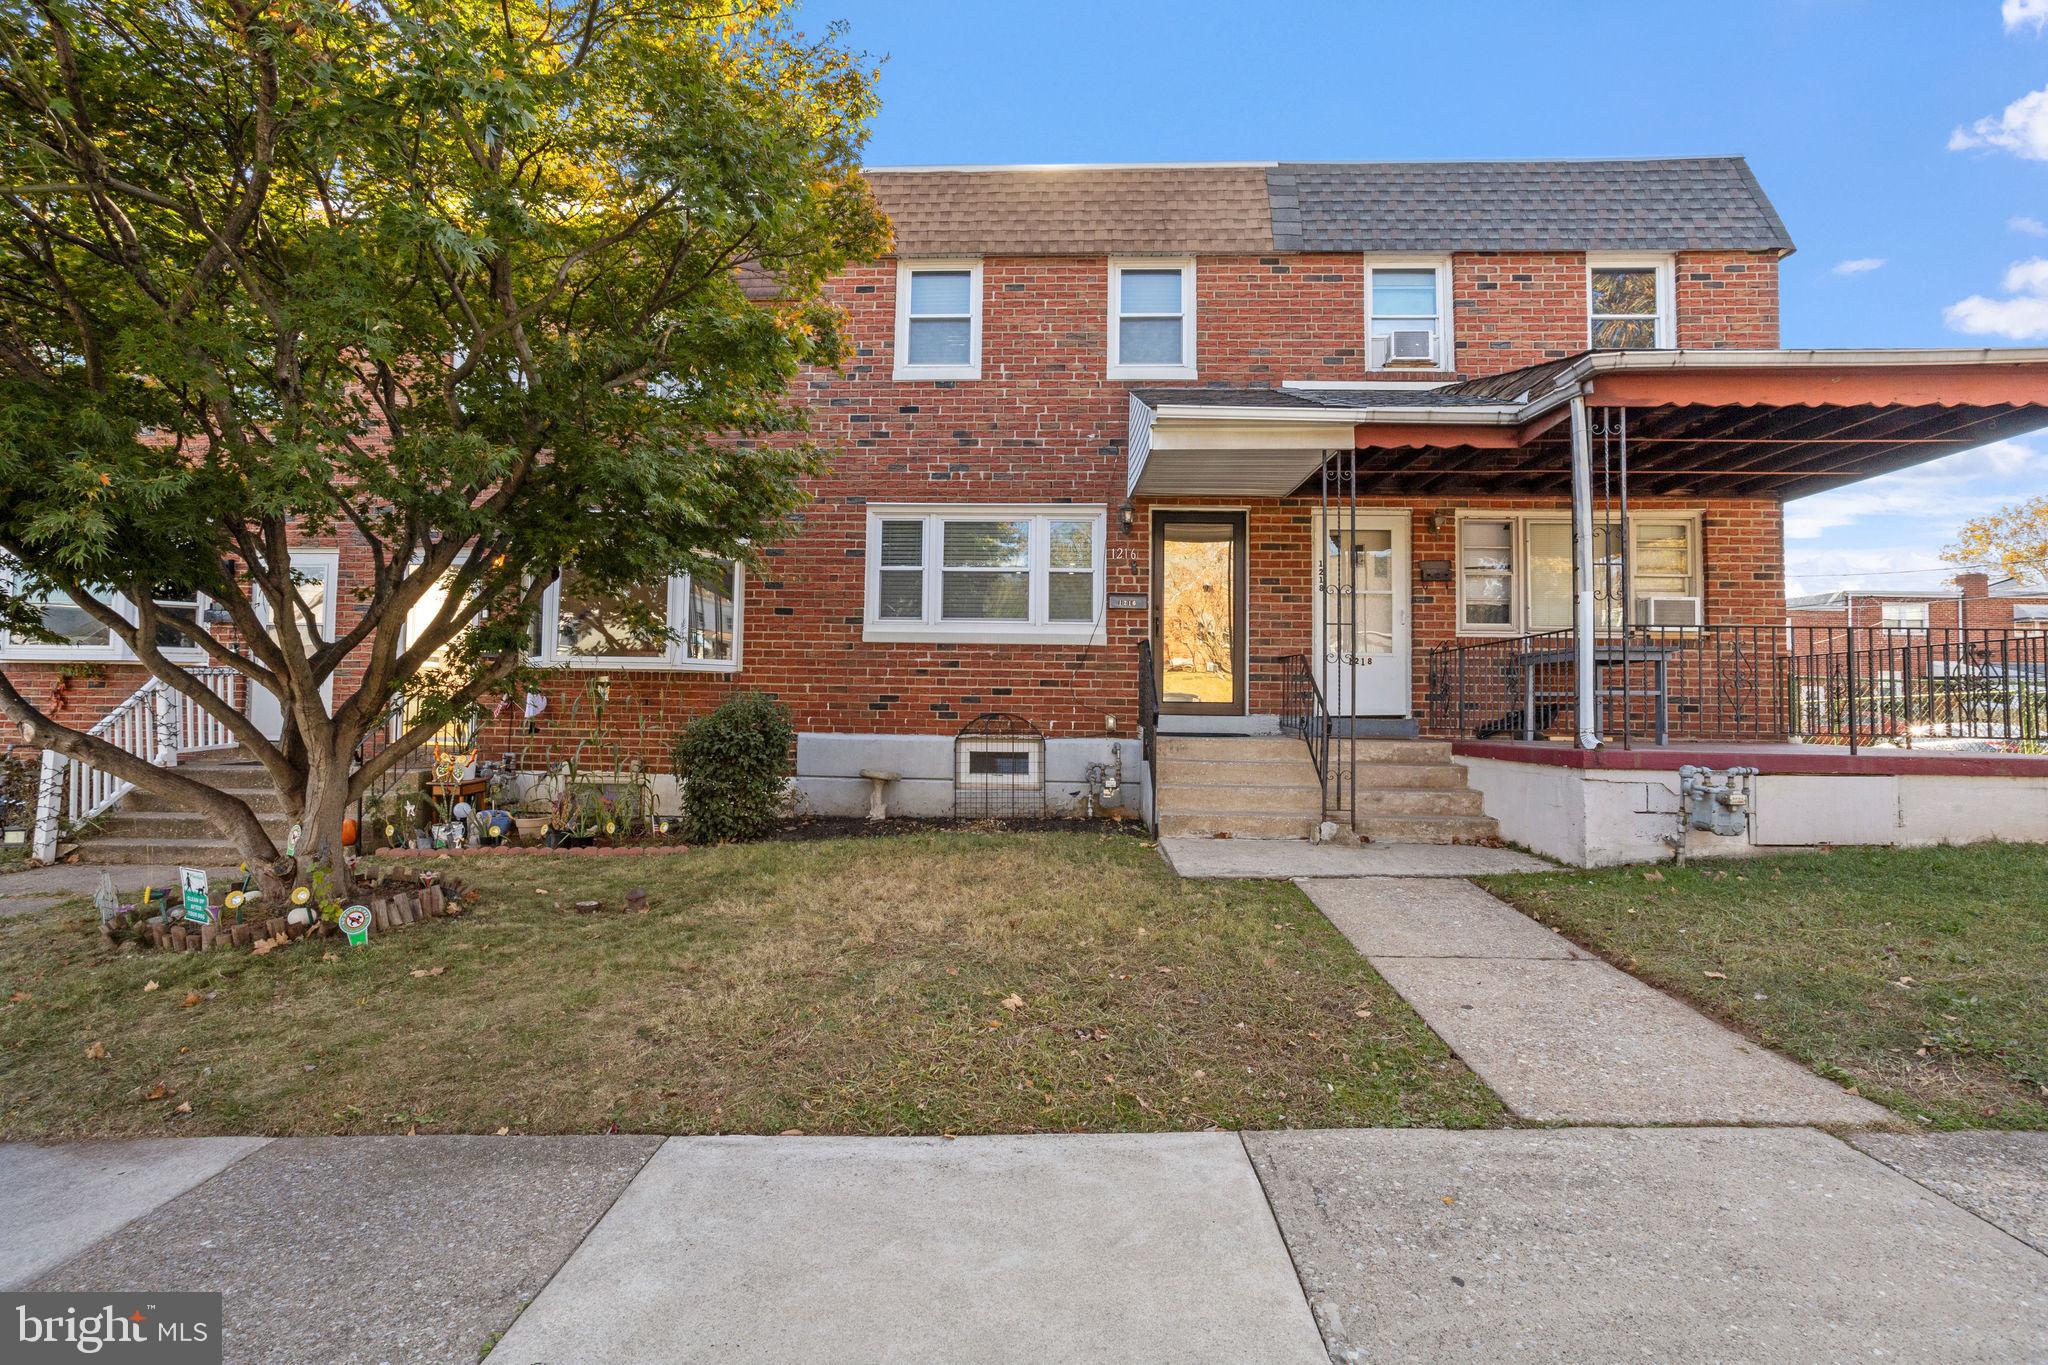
{"x":149,"y":987}
{"x":98,"y":1051}
{"x":1013,"y":1001}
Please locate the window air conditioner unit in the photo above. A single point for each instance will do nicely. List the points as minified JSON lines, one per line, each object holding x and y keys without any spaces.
{"x":1411,"y":345}
{"x":1666,"y":610}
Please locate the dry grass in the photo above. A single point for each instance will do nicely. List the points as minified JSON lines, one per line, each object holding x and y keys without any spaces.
{"x":925,"y":984}
{"x":1919,"y":976}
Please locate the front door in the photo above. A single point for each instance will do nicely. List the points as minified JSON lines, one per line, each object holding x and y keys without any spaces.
{"x":316,"y":571}
{"x":1361,"y":615}
{"x":1198,"y":625}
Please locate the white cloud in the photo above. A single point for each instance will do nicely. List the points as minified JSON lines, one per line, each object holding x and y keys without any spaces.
{"x":1943,"y":493}
{"x":1860,"y":265}
{"x":2021,"y":129}
{"x":2019,"y":14}
{"x":2027,"y":225}
{"x":2022,"y":317}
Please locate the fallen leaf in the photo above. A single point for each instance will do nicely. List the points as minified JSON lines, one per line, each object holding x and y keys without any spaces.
{"x":184,"y":1107}
{"x":503,"y":1131}
{"x":329,"y":957}
{"x":148,"y":987}
{"x":792,"y":1132}
{"x":1653,"y":876}
{"x":98,"y":1051}
{"x":20,"y":996}
{"x":1013,"y":1001}
{"x":428,"y":971}
{"x":159,"y":1091}
{"x":191,"y":998}
{"x":1449,"y":1200}
{"x":1715,"y":976}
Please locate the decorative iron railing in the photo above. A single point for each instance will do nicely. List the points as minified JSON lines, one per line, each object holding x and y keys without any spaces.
{"x":155,"y":723}
{"x":1305,"y":714}
{"x":1952,"y":688}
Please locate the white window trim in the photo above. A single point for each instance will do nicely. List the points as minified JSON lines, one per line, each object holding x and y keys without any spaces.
{"x":1446,"y":344}
{"x":673,"y":659}
{"x":1926,"y":616}
{"x":1038,"y":630}
{"x":1519,"y":576}
{"x":1186,"y":266}
{"x":114,"y":651}
{"x":904,"y":370}
{"x":1667,"y":329}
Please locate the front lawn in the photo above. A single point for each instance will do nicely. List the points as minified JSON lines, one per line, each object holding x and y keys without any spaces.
{"x":937,"y":983}
{"x":1918,"y":976}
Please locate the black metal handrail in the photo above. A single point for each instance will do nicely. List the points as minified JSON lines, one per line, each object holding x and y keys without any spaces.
{"x":1984,"y":687}
{"x":1304,"y":713}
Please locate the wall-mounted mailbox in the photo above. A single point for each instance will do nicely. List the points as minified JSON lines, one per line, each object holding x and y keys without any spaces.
{"x":1434,"y":570}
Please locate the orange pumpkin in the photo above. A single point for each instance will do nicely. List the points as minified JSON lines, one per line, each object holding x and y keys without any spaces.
{"x":348,"y":832}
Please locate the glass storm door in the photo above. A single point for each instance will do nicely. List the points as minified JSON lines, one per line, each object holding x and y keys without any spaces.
{"x":1198,"y":586}
{"x":1361,"y":617}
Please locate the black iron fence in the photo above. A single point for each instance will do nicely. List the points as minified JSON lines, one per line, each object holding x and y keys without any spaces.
{"x":1948,"y":688}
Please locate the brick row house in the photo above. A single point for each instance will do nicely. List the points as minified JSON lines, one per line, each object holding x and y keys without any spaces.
{"x":1349,"y":466}
{"x":1975,"y":602}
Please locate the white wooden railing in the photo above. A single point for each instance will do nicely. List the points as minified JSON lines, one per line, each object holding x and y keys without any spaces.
{"x":154,"y":723}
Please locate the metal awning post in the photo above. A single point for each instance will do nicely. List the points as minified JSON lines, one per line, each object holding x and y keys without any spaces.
{"x":1586,"y":687}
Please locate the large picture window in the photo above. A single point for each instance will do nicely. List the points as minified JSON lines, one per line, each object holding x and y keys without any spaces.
{"x":1515,"y":573}
{"x":688,"y":622}
{"x":996,"y":574}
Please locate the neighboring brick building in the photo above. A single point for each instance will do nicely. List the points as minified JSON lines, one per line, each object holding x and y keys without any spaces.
{"x":1088,"y":407}
{"x":1974,"y":603}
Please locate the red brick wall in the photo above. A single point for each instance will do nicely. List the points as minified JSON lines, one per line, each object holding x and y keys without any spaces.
{"x":1044,"y":424}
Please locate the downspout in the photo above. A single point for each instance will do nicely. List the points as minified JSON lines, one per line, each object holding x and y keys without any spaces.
{"x":1582,"y":572}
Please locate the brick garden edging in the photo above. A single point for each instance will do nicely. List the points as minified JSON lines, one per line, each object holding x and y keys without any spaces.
{"x":391,"y":907}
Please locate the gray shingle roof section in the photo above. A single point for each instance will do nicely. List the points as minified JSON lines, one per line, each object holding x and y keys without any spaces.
{"x":1674,"y":204}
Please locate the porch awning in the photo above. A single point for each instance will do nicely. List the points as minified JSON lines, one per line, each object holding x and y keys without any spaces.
{"x":1778,"y":424}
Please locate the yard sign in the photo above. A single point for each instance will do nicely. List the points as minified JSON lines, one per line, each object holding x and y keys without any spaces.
{"x":197,"y":908}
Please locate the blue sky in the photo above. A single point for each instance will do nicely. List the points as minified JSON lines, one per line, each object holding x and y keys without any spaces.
{"x":1905,"y":142}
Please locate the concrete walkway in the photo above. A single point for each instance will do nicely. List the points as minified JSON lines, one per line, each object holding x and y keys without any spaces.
{"x":38,"y":888}
{"x":1558,"y":1034}
{"x":1285,"y":859}
{"x":1579,"y":1244}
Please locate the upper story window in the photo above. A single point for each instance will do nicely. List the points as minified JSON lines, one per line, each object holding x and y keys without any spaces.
{"x":1152,"y":319}
{"x":938,"y":320}
{"x":1903,"y":615}
{"x":1629,"y":302}
{"x":1000,"y":574}
{"x":1407,"y":324}
{"x":691,"y":621}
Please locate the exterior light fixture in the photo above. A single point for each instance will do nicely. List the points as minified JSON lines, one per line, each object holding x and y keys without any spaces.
{"x":1125,"y":514}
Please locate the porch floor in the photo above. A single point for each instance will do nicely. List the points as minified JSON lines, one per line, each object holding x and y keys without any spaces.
{"x":1819,"y":759}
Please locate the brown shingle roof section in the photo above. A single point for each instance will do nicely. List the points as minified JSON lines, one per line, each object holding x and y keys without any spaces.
{"x":1083,"y":211}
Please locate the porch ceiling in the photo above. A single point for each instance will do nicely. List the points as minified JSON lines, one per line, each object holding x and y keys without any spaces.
{"x":1777,"y":424}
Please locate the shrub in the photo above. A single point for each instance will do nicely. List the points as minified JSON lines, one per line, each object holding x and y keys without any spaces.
{"x":734,"y":766}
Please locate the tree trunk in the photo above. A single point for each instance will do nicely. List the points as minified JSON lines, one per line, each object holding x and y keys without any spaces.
{"x":326,"y":806}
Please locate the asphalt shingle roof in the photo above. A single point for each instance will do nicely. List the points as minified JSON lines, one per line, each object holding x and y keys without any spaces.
{"x":1679,"y":204}
{"x":1672,"y":204}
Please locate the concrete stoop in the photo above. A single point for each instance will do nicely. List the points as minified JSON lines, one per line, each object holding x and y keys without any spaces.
{"x":143,"y":828}
{"x":1407,"y":790}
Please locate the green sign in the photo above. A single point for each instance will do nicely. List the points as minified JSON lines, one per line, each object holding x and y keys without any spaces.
{"x":355,"y":922}
{"x":197,"y":908}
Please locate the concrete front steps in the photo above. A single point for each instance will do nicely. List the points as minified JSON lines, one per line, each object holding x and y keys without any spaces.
{"x":1408,"y":791}
{"x":143,"y":828}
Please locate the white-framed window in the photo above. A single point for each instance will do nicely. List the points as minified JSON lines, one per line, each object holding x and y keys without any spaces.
{"x":188,"y":607}
{"x":2030,"y":618}
{"x":689,"y":622}
{"x":1151,"y":319}
{"x":1515,"y":572}
{"x":80,"y":636}
{"x":1407,"y":313}
{"x":1903,"y":615}
{"x":938,"y":319}
{"x":998,"y":575}
{"x":1628,"y":303}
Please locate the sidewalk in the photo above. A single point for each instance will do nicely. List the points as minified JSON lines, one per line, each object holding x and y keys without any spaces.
{"x":1587,"y":1244}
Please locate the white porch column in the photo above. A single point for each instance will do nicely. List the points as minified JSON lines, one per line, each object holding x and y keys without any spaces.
{"x":1583,"y":623}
